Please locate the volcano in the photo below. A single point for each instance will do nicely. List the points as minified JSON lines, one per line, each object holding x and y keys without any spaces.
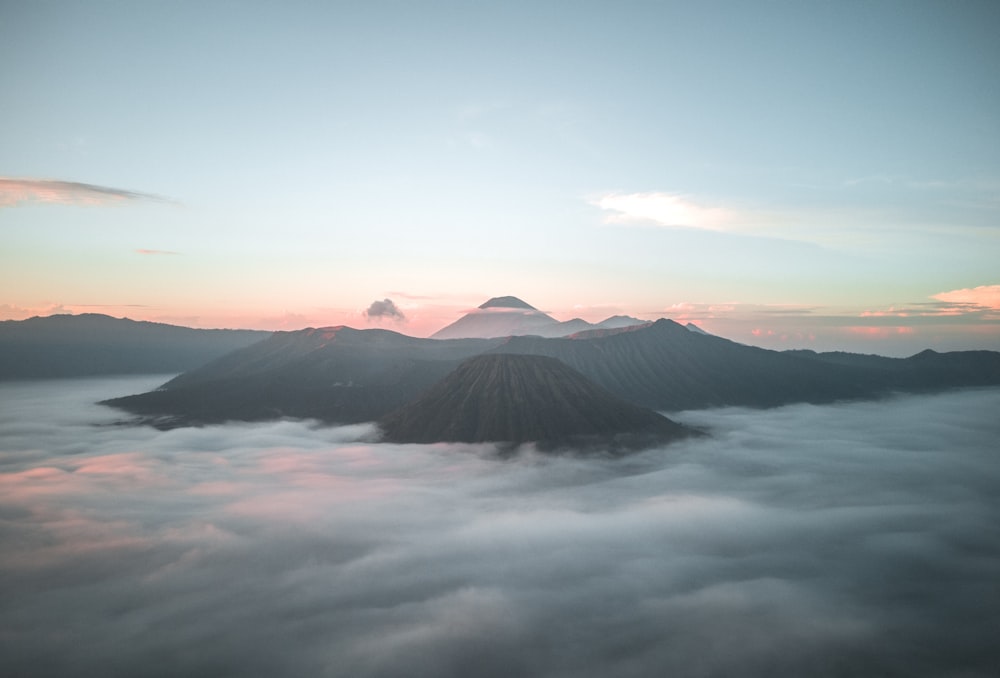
{"x":509,"y":316}
{"x":516,"y":399}
{"x":499,"y":317}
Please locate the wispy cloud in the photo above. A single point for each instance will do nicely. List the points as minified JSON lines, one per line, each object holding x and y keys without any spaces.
{"x":982,"y":297}
{"x":686,"y":310}
{"x":14,"y":191}
{"x":862,"y":214}
{"x":664,"y":209}
{"x":982,"y":301}
{"x":154,"y":252}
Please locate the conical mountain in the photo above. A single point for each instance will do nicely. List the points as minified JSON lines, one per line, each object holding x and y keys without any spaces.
{"x":510,"y":317}
{"x":507,"y":302}
{"x":525,"y":398}
{"x":499,"y":317}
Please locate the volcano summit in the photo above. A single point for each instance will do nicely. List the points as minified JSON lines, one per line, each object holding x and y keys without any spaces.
{"x":509,"y":316}
{"x":515,"y":399}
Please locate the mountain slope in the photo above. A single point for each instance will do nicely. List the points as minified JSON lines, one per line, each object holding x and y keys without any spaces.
{"x":90,"y":344}
{"x":334,"y":374}
{"x":520,"y":398}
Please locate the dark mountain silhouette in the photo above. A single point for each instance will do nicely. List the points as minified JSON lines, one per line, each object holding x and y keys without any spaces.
{"x":520,"y":398}
{"x":342,"y":375}
{"x":90,"y":344}
{"x":334,"y":374}
{"x":927,"y":370}
{"x":665,"y":366}
{"x":509,"y":316}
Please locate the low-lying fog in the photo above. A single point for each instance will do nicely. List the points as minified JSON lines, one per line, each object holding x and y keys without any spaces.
{"x":857,"y":539}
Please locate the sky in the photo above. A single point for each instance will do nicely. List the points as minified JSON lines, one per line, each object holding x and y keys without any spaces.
{"x":805,"y":540}
{"x":800,"y":174}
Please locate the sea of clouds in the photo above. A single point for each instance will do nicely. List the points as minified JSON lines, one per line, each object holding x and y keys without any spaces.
{"x":858,"y":539}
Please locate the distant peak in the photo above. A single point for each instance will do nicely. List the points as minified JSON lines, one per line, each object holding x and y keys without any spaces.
{"x":507,"y":302}
{"x":667,"y":323}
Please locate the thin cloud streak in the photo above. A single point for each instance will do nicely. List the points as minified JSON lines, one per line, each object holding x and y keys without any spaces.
{"x":155,"y":252}
{"x":14,"y":191}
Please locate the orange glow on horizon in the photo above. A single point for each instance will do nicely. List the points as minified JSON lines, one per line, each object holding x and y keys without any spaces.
{"x":879,"y":332}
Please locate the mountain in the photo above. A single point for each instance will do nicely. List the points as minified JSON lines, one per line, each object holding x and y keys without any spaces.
{"x":498,"y":317}
{"x":665,"y":366}
{"x":507,"y":303}
{"x":521,"y":398}
{"x":509,"y":316}
{"x":924,"y":371}
{"x":334,"y":374}
{"x":90,"y":344}
{"x":342,"y":375}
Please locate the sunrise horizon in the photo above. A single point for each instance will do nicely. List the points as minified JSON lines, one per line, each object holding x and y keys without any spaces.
{"x":951,"y":321}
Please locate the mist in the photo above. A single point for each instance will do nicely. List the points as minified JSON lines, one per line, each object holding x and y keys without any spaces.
{"x":853,"y":539}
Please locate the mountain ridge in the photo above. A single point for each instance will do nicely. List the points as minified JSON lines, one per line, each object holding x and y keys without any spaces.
{"x":344,"y":375}
{"x":507,"y":302}
{"x":91,"y":344}
{"x":336,"y":375}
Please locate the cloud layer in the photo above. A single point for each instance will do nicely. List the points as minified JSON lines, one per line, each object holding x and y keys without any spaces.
{"x":18,"y":191}
{"x":858,"y":539}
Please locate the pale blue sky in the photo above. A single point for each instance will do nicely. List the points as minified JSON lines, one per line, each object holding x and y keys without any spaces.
{"x":823,"y":160}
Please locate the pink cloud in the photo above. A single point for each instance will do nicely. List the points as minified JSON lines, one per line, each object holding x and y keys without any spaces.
{"x":879,"y":332}
{"x":18,"y":191}
{"x":982,"y":297}
{"x":891,"y":312}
